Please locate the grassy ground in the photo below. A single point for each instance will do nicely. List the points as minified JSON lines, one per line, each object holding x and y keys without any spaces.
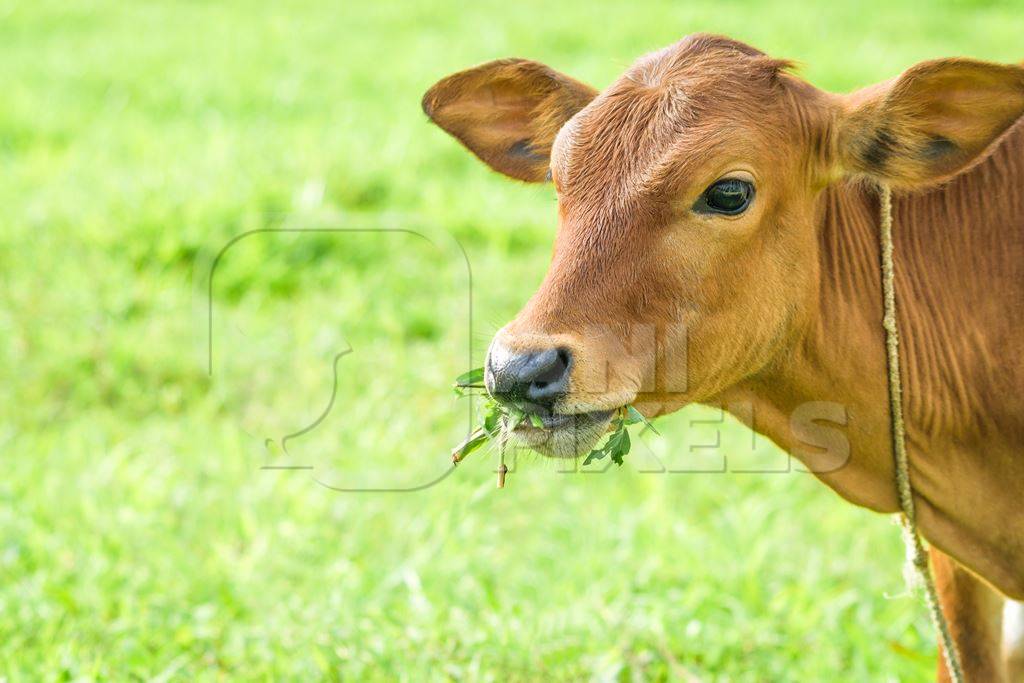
{"x":139,"y":536}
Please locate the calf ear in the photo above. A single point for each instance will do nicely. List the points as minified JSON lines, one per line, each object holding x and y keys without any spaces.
{"x":931,"y":122}
{"x":507,"y":112}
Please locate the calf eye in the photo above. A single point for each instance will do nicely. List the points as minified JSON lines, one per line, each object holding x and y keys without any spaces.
{"x":728,"y":196}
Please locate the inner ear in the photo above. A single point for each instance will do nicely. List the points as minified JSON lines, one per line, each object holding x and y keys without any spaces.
{"x":932,"y":122}
{"x":507,"y":113}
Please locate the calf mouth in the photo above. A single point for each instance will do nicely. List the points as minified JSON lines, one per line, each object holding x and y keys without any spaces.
{"x":563,"y":435}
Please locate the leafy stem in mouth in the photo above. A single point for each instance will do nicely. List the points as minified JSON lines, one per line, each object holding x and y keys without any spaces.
{"x":500,"y":419}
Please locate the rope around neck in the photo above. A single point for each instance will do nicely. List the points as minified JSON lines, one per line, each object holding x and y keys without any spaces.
{"x":916,"y":554}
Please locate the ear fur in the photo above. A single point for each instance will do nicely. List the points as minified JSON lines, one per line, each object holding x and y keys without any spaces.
{"x":507,"y":112}
{"x":930,"y":123}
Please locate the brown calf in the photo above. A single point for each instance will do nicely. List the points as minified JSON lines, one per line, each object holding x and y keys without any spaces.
{"x":718,"y":243}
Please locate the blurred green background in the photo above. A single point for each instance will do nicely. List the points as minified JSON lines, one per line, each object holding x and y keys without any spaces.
{"x":139,"y":536}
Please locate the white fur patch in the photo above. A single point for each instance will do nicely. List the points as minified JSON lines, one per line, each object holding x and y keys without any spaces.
{"x":1013,"y":628}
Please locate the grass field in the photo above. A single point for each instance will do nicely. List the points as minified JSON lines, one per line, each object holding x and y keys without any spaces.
{"x":139,"y":536}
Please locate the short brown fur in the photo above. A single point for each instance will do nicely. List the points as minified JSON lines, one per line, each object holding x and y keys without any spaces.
{"x":779,"y":308}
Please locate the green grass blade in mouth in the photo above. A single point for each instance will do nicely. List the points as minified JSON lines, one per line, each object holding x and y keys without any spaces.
{"x":478,"y":438}
{"x":474,"y":379}
{"x":500,"y":419}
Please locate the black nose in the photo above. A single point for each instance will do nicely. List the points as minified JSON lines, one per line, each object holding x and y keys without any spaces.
{"x":540,"y":377}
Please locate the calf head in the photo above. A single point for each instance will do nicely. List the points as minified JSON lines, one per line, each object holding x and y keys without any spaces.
{"x":686,"y":255}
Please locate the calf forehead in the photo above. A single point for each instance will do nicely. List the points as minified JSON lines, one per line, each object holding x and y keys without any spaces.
{"x":662,"y":119}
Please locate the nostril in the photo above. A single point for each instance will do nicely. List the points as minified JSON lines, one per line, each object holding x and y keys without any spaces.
{"x":539,"y":377}
{"x":552,"y":369}
{"x":551,"y":380}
